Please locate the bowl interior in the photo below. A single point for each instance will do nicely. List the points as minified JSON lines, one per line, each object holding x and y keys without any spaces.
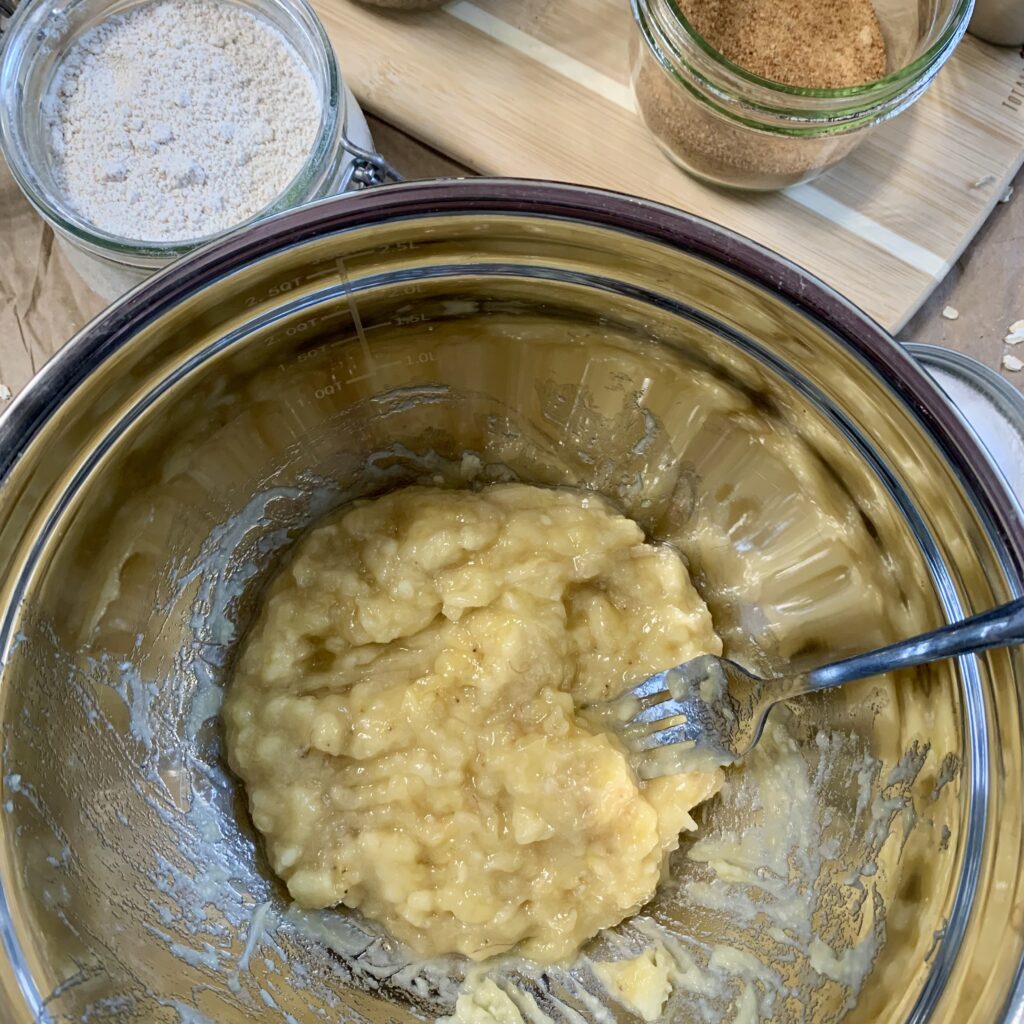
{"x":147,"y":511}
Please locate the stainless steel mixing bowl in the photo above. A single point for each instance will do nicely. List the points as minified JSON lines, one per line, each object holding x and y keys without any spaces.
{"x":826,"y":496}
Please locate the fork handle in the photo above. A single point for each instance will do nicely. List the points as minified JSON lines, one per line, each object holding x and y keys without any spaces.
{"x":1000,"y":627}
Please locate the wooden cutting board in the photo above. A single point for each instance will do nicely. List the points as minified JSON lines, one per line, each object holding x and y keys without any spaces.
{"x":540,"y":88}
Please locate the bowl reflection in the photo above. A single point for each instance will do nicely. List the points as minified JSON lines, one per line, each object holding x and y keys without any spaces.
{"x":461,"y":333}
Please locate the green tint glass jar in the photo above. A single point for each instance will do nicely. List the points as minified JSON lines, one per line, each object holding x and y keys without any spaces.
{"x":730,"y":127}
{"x":32,"y":46}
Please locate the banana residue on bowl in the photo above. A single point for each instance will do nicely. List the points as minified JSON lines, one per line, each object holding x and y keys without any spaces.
{"x":783,"y":901}
{"x":767,"y":842}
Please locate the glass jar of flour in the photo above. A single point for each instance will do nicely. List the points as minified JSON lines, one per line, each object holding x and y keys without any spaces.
{"x":141,"y":129}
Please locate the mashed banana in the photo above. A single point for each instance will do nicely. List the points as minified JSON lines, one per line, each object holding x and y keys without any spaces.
{"x":404,"y":714}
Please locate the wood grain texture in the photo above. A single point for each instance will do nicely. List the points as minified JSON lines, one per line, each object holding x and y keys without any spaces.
{"x":985,"y":286}
{"x":500,"y":110}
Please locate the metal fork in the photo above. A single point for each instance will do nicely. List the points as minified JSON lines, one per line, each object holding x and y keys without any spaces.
{"x":710,"y":712}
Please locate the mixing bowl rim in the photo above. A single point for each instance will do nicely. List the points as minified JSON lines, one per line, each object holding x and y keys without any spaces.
{"x":116,"y":327}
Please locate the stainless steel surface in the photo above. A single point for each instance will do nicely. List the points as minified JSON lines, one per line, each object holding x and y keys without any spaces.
{"x":713,"y":711}
{"x":825,"y":495}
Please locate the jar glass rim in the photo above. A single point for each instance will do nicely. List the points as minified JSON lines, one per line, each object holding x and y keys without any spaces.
{"x":952,"y":31}
{"x":333,"y":117}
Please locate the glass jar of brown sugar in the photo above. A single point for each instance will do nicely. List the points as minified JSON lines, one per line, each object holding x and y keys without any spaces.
{"x":740,"y":108}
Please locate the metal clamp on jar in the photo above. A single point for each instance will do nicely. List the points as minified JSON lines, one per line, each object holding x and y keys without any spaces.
{"x":35,"y":40}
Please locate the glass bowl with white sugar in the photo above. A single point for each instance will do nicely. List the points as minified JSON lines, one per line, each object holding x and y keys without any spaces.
{"x":140,"y":130}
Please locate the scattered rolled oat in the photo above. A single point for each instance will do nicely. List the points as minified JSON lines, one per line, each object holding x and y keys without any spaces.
{"x":951,"y":313}
{"x":1015,"y":333}
{"x":1007,"y":195}
{"x":1012,"y":363}
{"x":5,"y":393}
{"x":985,"y":179}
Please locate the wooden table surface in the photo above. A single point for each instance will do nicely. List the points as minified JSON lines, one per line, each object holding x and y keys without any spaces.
{"x":43,"y":302}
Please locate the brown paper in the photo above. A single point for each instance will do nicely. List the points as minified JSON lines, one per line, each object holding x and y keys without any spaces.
{"x":43,"y":302}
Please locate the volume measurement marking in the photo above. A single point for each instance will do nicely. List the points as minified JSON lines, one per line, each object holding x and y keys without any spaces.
{"x":419,"y":359}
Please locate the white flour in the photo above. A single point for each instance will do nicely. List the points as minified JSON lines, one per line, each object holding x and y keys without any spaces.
{"x":179,"y":119}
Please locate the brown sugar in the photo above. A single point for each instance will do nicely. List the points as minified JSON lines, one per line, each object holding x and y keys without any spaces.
{"x":816,"y":44}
